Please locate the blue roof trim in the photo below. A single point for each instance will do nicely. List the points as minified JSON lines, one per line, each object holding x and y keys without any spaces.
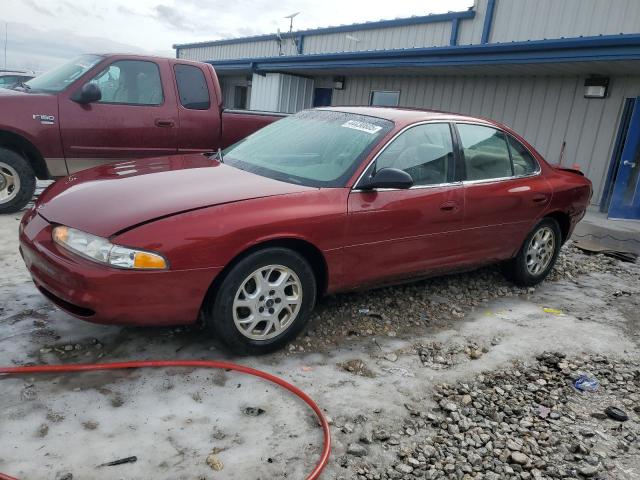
{"x":488,"y":21}
{"x":399,"y":22}
{"x":610,"y":47}
{"x":455,"y":25}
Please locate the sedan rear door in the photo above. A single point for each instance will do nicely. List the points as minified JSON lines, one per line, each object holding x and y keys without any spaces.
{"x":399,"y":233}
{"x":504,"y":193}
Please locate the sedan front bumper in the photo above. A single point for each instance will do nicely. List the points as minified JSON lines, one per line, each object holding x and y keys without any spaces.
{"x":107,"y":295}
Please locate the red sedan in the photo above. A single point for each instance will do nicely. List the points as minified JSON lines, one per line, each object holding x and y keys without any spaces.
{"x":323,"y":201}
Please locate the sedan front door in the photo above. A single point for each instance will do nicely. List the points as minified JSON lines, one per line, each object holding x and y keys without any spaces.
{"x":395,"y":234}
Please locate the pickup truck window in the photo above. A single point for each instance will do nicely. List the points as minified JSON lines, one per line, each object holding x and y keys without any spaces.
{"x":317,"y":148}
{"x":56,"y":80}
{"x":192,"y":87}
{"x":130,"y":82}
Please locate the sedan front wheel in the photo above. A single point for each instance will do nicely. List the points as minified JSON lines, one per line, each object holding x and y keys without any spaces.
{"x":263,"y":302}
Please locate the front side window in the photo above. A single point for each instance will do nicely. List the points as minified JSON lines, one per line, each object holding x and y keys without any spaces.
{"x":192,"y":87}
{"x":130,"y":82}
{"x":523,"y":161}
{"x":485,"y":150}
{"x":318,"y":148}
{"x":56,"y":80}
{"x":425,"y":152}
{"x":384,"y":98}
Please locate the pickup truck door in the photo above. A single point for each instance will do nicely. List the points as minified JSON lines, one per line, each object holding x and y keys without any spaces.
{"x":198,"y":108}
{"x":137,"y":116}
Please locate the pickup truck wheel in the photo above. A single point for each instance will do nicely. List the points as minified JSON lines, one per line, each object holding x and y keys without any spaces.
{"x":263,"y":302}
{"x":17,"y":181}
{"x":537,"y":256}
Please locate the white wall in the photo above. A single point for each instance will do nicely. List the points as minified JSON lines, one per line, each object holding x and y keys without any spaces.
{"x":516,"y":20}
{"x":276,"y":92}
{"x":410,"y":36}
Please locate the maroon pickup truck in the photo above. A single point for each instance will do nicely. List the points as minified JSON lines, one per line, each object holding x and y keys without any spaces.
{"x":106,"y":108}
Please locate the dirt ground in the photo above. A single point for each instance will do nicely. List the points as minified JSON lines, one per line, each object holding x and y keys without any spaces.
{"x":371,"y":360}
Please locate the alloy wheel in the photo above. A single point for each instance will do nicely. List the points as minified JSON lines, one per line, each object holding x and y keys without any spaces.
{"x":267,"y":302}
{"x":540,"y":250}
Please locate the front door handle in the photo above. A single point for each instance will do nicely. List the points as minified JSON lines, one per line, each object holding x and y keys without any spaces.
{"x":450,"y":206}
{"x":164,"y":122}
{"x":540,"y":198}
{"x":631,"y":164}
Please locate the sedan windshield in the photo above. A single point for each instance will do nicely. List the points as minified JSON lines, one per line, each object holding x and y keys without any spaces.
{"x":56,"y":80}
{"x":318,"y":148}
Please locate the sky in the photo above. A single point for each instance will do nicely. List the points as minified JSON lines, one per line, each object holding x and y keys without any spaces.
{"x":44,"y":33}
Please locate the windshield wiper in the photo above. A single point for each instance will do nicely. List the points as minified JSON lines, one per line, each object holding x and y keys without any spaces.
{"x":22,"y":85}
{"x":218,"y":156}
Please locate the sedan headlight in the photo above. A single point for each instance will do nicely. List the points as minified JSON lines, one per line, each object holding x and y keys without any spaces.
{"x":103,"y":251}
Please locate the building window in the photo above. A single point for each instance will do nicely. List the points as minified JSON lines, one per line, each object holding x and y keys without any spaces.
{"x":240,"y":97}
{"x":384,"y":98}
{"x":192,"y":87}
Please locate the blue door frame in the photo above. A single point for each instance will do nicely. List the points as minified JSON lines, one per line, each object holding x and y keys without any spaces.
{"x":625,"y":198}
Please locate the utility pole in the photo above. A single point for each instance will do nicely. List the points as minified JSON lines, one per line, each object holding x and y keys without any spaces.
{"x":6,"y":34}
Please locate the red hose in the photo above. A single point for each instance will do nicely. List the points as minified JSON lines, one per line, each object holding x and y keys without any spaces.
{"x":87,"y":367}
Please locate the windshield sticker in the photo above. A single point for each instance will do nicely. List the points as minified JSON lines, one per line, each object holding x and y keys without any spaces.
{"x":362,"y":126}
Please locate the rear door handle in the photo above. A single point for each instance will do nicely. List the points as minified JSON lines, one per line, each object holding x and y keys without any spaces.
{"x":450,"y":206}
{"x":165,"y":123}
{"x":540,"y":198}
{"x":630,"y":164}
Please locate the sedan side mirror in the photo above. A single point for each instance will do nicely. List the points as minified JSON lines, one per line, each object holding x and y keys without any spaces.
{"x":388,"y":178}
{"x":89,"y":93}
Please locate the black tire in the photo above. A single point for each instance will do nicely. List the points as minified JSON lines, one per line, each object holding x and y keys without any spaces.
{"x":218,"y":308}
{"x":24,"y":193}
{"x":516,"y":269}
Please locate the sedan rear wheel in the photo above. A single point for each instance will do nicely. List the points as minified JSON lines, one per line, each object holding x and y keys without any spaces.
{"x":540,"y":251}
{"x":537,"y":255}
{"x":262,"y":302}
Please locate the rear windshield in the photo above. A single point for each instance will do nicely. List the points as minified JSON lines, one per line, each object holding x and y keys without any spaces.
{"x":317,"y":148}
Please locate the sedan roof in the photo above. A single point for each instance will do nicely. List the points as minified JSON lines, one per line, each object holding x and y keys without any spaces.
{"x":402,"y":115}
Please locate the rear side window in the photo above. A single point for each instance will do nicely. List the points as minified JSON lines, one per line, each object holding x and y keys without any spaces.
{"x":486,"y":154}
{"x":523,"y":161}
{"x":192,"y":87}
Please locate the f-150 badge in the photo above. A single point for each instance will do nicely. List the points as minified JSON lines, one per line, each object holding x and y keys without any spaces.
{"x":45,"y":119}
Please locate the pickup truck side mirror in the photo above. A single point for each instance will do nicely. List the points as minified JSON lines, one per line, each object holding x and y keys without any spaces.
{"x":388,"y":178}
{"x":89,"y":93}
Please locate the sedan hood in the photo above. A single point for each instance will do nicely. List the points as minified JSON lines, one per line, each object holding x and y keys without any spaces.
{"x":111,"y":198}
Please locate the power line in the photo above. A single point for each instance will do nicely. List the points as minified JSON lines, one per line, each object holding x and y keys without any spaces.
{"x":6,"y":35}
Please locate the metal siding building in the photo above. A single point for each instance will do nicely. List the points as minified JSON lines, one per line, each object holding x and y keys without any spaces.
{"x":521,"y":62}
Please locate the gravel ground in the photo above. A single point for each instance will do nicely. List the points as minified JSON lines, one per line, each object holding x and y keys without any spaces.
{"x":456,"y":377}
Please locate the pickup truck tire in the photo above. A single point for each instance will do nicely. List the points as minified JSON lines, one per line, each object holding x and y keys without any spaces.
{"x":263,"y":302}
{"x":17,"y":181}
{"x":537,"y":256}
